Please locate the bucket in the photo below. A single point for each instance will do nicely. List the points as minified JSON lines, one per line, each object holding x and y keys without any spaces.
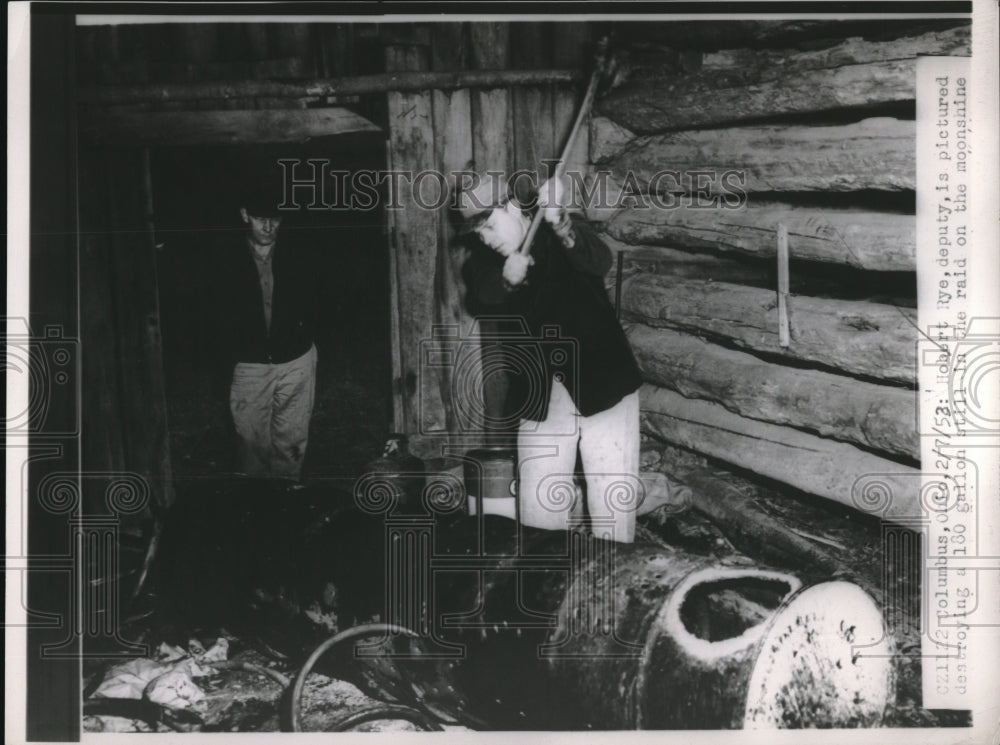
{"x":491,"y":476}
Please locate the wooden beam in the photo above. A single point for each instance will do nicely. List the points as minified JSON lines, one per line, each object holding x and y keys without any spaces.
{"x":878,"y":417}
{"x":757,"y":84}
{"x":219,"y":127}
{"x":825,"y":468}
{"x":857,"y":337}
{"x":401,"y":81}
{"x":877,"y":241}
{"x":872,"y":154}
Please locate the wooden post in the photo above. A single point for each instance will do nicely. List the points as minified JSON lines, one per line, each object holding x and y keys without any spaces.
{"x":783,"y":339}
{"x":395,"y":351}
{"x":411,"y":139}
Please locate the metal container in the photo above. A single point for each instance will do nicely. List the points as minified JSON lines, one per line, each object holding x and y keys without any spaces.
{"x":491,"y":476}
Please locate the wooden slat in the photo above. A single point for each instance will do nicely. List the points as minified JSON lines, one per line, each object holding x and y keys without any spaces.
{"x":491,"y":109}
{"x":220,"y":127}
{"x":532,"y":105}
{"x":878,"y":417}
{"x":856,"y":337}
{"x":417,"y":233}
{"x":759,"y":84}
{"x":871,"y":154}
{"x":571,"y":48}
{"x":492,"y":151}
{"x":825,"y":468}
{"x":453,"y":150}
{"x":878,"y":241}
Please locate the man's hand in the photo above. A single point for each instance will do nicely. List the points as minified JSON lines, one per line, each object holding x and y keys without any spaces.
{"x":515,"y":268}
{"x":552,"y":202}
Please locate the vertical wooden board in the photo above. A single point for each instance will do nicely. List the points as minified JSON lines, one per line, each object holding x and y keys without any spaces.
{"x":453,"y":149}
{"x":492,"y":147}
{"x":411,"y":138}
{"x":125,"y":412}
{"x":532,"y":105}
{"x":491,"y":109}
{"x":572,"y":48}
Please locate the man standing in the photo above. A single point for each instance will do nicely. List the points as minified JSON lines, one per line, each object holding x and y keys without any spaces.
{"x":269,"y":297}
{"x":576,"y":380}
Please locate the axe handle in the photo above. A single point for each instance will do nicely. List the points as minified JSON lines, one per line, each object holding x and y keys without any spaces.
{"x":588,"y":102}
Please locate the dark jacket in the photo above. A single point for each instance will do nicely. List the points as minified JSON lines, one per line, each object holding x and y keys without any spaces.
{"x":569,"y":324}
{"x":243,"y":333}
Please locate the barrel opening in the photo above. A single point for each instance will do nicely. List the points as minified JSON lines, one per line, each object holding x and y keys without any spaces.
{"x":726,"y":608}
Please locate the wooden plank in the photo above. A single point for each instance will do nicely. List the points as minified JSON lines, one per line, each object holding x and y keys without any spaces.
{"x":491,"y":149}
{"x":453,"y":151}
{"x":572,"y":48}
{"x":491,"y":109}
{"x":532,"y":106}
{"x":417,"y":232}
{"x":878,"y":241}
{"x":220,"y":127}
{"x":825,"y":468}
{"x":872,"y":154}
{"x":769,"y":83}
{"x":856,"y":337}
{"x":874,"y":416}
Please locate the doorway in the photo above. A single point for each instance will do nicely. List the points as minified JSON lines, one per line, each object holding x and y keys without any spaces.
{"x":196,"y":194}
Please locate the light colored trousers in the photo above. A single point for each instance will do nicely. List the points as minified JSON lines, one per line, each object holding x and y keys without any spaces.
{"x":271,"y":406}
{"x":609,"y":449}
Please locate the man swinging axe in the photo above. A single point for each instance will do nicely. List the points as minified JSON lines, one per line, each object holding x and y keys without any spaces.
{"x":575,"y":381}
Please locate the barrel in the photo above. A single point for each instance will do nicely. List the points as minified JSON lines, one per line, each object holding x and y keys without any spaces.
{"x":564,"y":631}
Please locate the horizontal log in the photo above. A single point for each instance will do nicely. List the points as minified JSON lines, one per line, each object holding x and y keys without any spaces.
{"x":220,"y":127}
{"x":607,"y":138}
{"x":879,"y":417}
{"x":770,"y":64}
{"x":766,"y":84}
{"x":733,"y":504}
{"x":878,"y":241}
{"x":824,"y":468}
{"x":853,"y":336}
{"x":381,"y":83}
{"x":875,"y":153}
{"x":675,"y":263}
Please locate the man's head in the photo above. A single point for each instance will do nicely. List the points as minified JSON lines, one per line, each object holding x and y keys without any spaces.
{"x":484,"y":207}
{"x":259,"y":210}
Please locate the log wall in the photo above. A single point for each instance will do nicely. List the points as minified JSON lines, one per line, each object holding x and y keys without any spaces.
{"x":819,"y":139}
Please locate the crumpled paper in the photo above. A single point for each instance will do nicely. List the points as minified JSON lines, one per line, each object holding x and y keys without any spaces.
{"x":168,"y":679}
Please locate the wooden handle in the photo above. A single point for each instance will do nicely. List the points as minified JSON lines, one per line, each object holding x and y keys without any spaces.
{"x":588,"y":102}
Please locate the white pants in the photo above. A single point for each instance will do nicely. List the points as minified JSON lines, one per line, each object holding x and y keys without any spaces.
{"x":609,"y":449}
{"x":271,"y":407}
